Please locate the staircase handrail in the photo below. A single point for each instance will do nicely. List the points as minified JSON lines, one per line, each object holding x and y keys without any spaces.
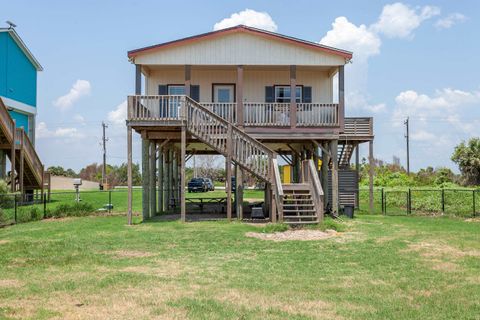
{"x":278,"y":188}
{"x":311,"y":175}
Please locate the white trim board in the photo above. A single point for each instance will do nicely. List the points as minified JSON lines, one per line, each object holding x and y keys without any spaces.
{"x":19,"y":106}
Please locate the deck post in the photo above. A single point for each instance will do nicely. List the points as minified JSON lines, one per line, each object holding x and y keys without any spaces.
{"x":12,"y":158}
{"x":239,"y":96}
{"x":3,"y":164}
{"x":183,"y":152}
{"x":153,"y":180}
{"x":175,"y":179}
{"x":341,"y":98}
{"x":129,"y":174}
{"x":370,"y":175}
{"x":357,"y":173}
{"x":145,"y":178}
{"x":293,"y":96}
{"x":138,"y":79}
{"x":22,"y":167}
{"x":325,"y":161}
{"x":239,"y":192}
{"x":333,"y":152}
{"x":169,"y":177}
{"x":228,"y":169}
{"x":188,"y":73}
{"x":160,"y":179}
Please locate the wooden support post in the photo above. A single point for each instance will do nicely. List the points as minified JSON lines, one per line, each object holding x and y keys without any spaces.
{"x":333,"y":152}
{"x":293,"y":100}
{"x":145,"y":179}
{"x":129,"y":174}
{"x":175,"y":179}
{"x":22,"y":167}
{"x":325,"y":161}
{"x":3,"y":164}
{"x":160,"y":179}
{"x":357,"y":173}
{"x":170,"y":177}
{"x":370,"y":175}
{"x":188,"y":75}
{"x":12,"y":158}
{"x":239,"y":97}
{"x":228,"y":169}
{"x":239,"y":192}
{"x":138,"y":79}
{"x":341,"y":98}
{"x":153,"y":180}
{"x":182,"y":173}
{"x":273,"y":206}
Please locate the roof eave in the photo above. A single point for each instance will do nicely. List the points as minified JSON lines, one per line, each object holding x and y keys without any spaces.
{"x":23,"y":47}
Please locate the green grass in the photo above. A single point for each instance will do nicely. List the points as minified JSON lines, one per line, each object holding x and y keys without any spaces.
{"x":380,"y":268}
{"x":97,"y":200}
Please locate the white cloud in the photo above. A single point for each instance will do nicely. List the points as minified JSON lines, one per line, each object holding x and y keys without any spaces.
{"x":445,"y":103}
{"x":79,"y":89}
{"x":248,"y":17}
{"x":79,"y":118}
{"x":358,"y":100}
{"x":359,"y":39}
{"x":450,"y":20}
{"x":398,"y":20}
{"x":119,"y":115}
{"x":422,"y":135}
{"x":42,"y":131}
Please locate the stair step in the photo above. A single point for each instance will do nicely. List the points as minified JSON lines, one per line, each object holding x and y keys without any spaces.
{"x":295,"y":186}
{"x":298,"y":210}
{"x":298,"y":205}
{"x":299,"y":217}
{"x":302,"y":222}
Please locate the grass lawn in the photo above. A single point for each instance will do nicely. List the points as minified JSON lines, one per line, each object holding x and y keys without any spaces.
{"x":99,"y":268}
{"x":98,"y":199}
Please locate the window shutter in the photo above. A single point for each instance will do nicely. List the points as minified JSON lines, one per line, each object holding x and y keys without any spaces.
{"x":195,"y":92}
{"x":269,"y":94}
{"x":307,"y":95}
{"x":162,"y":90}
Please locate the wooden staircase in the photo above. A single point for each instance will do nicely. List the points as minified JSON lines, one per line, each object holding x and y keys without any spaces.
{"x":299,"y":205}
{"x":345,"y":154}
{"x":29,"y":172}
{"x":242,"y":149}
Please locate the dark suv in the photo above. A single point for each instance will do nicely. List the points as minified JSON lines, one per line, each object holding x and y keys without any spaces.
{"x":197,"y":185}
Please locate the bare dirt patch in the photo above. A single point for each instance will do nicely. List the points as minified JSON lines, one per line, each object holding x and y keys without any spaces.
{"x":131,"y":254}
{"x":438,"y":249}
{"x":318,"y":309}
{"x":294,"y":235}
{"x":4,"y":241}
{"x":10,"y":283}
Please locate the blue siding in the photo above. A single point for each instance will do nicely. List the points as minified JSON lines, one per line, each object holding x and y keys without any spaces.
{"x":18,"y":76}
{"x":21,"y":120}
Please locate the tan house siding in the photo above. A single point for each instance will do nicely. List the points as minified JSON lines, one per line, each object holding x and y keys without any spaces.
{"x":239,"y":48}
{"x":255,"y":81}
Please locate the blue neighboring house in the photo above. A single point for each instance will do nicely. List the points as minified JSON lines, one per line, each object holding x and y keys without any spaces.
{"x":18,"y":80}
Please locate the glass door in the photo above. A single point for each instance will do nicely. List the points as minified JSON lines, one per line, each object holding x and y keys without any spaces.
{"x":224,"y":96}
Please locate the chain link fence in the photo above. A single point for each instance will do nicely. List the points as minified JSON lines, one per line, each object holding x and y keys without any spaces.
{"x":422,"y":201}
{"x":62,"y":204}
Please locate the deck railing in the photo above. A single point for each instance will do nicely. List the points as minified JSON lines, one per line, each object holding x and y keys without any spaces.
{"x":358,"y":126}
{"x":255,"y":114}
{"x":260,"y":114}
{"x":226,"y":111}
{"x":317,"y":114}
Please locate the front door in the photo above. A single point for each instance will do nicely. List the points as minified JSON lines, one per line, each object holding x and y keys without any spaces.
{"x":224,"y":96}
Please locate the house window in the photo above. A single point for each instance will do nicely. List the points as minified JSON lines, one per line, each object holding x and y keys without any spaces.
{"x":176,"y":90}
{"x":282,"y":94}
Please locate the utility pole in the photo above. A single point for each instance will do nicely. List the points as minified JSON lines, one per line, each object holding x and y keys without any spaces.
{"x":407,"y":137}
{"x":104,"y":144}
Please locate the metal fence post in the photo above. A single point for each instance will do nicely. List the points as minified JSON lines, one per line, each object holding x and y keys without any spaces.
{"x":473,"y":203}
{"x":15,"y":206}
{"x":382,"y":199}
{"x":385,"y":199}
{"x":409,"y":201}
{"x":109,"y":201}
{"x":443,"y":201}
{"x":44,"y":205}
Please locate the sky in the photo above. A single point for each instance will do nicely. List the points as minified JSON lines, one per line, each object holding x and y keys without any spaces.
{"x":415,"y":59}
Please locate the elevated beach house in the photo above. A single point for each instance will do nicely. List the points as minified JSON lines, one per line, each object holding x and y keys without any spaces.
{"x":18,"y":109}
{"x":254,"y":97}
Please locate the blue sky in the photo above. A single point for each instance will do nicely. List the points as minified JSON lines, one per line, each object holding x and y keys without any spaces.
{"x":412,"y":58}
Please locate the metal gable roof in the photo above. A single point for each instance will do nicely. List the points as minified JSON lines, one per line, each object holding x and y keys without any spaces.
{"x":23,"y":47}
{"x":242,"y":28}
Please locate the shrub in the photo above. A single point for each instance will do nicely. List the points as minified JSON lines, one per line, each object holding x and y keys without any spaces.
{"x":71,"y":210}
{"x":275,"y":227}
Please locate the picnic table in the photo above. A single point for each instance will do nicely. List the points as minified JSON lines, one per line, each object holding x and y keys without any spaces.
{"x":202,"y":201}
